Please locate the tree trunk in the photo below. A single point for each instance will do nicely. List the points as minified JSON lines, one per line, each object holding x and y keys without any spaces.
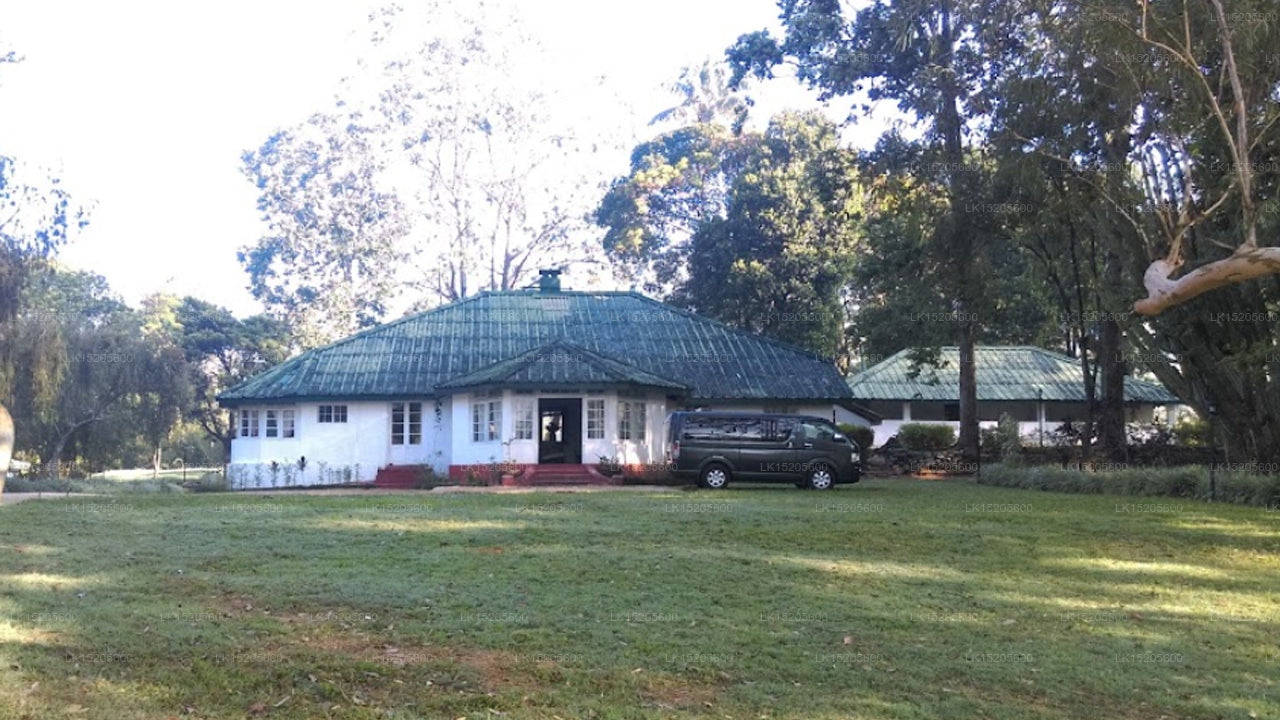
{"x":156,"y":460}
{"x":6,"y":442}
{"x":969,"y":436}
{"x":1111,"y":434}
{"x":55,"y":458}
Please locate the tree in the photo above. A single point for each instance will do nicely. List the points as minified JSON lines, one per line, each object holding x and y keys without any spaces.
{"x":706,"y":97}
{"x":221,"y":351}
{"x":779,"y":259}
{"x":756,"y":229}
{"x":438,"y":172}
{"x":328,"y":265}
{"x":928,"y":58}
{"x":678,"y":182}
{"x":1112,"y":99}
{"x":36,"y":216}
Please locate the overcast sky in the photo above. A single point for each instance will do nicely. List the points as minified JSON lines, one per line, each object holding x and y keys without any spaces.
{"x":144,"y":108}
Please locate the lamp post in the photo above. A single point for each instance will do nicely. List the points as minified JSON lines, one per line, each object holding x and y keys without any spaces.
{"x":1213,"y":453}
{"x":1040,"y":412}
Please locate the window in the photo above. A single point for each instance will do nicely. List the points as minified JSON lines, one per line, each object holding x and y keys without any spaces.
{"x":248,"y":423}
{"x":810,"y":431}
{"x":332,"y":414}
{"x":524,"y":419}
{"x":595,"y":419}
{"x":286,"y":424}
{"x":486,"y":420}
{"x":406,"y":423}
{"x":273,"y":426}
{"x":631,"y":421}
{"x":951,"y":411}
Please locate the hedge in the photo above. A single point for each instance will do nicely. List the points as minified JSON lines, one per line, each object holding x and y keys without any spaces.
{"x":919,"y":436}
{"x":861,"y":434}
{"x":1190,"y":482}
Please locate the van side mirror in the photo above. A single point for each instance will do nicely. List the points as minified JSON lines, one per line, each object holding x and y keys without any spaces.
{"x":838,"y":437}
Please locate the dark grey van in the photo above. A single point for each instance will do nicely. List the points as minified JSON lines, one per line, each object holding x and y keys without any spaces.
{"x":717,"y":447}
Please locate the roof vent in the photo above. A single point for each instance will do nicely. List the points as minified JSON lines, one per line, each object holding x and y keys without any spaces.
{"x":549,"y":281}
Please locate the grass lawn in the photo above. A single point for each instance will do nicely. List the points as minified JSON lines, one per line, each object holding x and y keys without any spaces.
{"x":887,"y":599}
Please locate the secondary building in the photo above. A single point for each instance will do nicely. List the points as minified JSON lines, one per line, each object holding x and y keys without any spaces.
{"x":1038,"y":388}
{"x":535,"y":379}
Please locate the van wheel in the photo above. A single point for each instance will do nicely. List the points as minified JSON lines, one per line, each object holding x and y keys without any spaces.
{"x":821,"y":477}
{"x":714,"y":476}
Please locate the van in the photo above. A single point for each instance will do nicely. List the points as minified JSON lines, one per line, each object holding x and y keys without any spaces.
{"x":719,"y":447}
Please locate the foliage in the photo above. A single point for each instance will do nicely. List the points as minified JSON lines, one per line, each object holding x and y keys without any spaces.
{"x":926,"y":436}
{"x":1192,"y":431}
{"x":677,"y":182}
{"x":335,"y":232}
{"x":1009,"y":439}
{"x":222,"y":351}
{"x":706,"y":96}
{"x":1189,"y":482}
{"x":757,"y":230}
{"x":438,"y":172}
{"x":864,"y":436}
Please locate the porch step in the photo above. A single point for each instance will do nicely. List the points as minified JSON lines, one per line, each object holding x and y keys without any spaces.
{"x":562,"y":475}
{"x":399,"y":477}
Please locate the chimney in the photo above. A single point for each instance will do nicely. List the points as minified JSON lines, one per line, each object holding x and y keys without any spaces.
{"x":549,"y":281}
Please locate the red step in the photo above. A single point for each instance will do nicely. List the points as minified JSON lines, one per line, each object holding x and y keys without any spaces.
{"x":399,"y":477}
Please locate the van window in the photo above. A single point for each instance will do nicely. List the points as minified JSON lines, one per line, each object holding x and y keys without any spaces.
{"x":810,"y":431}
{"x":704,"y":428}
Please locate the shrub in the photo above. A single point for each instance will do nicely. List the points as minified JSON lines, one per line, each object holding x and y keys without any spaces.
{"x":919,"y":436}
{"x":1187,"y":481}
{"x":1008,"y":439}
{"x":861,"y":434}
{"x":1191,"y":431}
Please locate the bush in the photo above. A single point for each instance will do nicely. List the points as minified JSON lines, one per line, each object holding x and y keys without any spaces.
{"x":1191,"y":432}
{"x":1188,"y":481}
{"x":919,"y":436}
{"x":861,"y":434}
{"x":22,"y":484}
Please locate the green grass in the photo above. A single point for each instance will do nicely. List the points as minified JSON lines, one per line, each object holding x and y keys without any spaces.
{"x":887,"y":599}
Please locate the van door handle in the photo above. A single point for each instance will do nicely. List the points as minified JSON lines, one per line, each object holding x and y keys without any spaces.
{"x":808,"y":445}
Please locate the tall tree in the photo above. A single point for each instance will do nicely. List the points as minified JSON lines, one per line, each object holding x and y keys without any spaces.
{"x":677,"y":183}
{"x":36,"y":217}
{"x":757,"y":230}
{"x":928,"y":58}
{"x":706,"y":96}
{"x":328,"y":265}
{"x":438,"y":172}
{"x":779,"y":259}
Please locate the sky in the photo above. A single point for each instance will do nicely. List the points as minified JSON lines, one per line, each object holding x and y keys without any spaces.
{"x":144,"y":108}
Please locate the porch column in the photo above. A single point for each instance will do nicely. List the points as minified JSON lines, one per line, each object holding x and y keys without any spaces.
{"x":906,"y":411}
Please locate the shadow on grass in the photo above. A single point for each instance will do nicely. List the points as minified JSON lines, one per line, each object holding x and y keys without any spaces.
{"x":624,"y":605}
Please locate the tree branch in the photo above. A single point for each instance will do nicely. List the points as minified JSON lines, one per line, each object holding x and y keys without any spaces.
{"x":1246,"y":263}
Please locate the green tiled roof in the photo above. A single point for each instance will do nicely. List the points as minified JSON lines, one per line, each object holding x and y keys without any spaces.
{"x":1003,"y":373}
{"x":497,"y":338}
{"x":559,"y":364}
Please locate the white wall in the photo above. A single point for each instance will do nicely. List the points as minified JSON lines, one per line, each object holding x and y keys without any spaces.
{"x":1134,"y":414}
{"x":335,"y":452}
{"x":465,"y":451}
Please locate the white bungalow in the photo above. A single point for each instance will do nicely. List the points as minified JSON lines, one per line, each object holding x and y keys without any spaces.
{"x":545,"y":381}
{"x":1038,"y":388}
